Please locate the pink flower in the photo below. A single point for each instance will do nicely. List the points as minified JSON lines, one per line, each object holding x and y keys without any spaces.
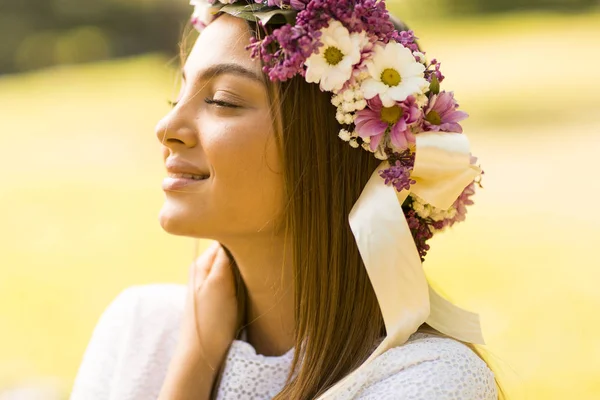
{"x":375,"y":120}
{"x":441,"y":114}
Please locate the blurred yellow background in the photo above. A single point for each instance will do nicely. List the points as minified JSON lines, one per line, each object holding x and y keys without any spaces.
{"x":82,"y":172}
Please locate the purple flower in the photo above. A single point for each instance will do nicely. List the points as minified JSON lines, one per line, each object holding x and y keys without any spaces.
{"x":295,"y":46}
{"x":273,"y":3}
{"x":356,"y":15}
{"x":461,"y":204}
{"x":198,"y":24}
{"x":429,"y":73}
{"x":441,"y":114}
{"x":298,"y":4}
{"x":398,"y":174}
{"x":407,"y":39}
{"x":375,"y":120}
{"x":420,"y":230}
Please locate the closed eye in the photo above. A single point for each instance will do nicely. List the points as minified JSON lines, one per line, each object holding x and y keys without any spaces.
{"x":207,"y":100}
{"x":220,"y":103}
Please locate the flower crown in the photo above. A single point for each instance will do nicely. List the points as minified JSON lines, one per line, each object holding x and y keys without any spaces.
{"x":385,"y":90}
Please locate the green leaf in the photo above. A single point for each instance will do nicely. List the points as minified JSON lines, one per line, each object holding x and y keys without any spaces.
{"x":434,"y":87}
{"x":255,"y":11}
{"x":277,"y":16}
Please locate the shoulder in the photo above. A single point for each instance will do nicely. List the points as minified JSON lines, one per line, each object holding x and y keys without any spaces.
{"x":131,"y":344}
{"x":159,"y":304}
{"x":141,"y":312}
{"x":429,"y":367}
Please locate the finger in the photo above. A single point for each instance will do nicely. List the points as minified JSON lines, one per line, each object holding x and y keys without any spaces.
{"x":202,"y":265}
{"x":221,"y":267}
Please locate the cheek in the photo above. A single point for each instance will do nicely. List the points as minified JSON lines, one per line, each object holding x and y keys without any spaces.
{"x":246,"y":168}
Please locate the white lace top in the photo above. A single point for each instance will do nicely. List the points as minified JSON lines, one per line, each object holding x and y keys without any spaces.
{"x":131,"y":346}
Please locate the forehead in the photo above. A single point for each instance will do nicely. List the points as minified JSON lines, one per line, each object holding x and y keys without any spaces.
{"x":222,"y":41}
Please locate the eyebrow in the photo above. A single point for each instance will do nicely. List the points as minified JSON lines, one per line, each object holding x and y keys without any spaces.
{"x":227,"y":68}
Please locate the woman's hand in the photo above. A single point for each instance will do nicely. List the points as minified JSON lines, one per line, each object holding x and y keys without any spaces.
{"x":208,"y":327}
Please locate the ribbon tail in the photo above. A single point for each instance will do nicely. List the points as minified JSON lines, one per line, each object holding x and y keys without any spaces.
{"x":452,"y":320}
{"x":394,"y":266}
{"x":391,"y":258}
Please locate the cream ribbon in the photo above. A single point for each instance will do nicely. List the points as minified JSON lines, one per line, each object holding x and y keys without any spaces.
{"x":442,"y":170}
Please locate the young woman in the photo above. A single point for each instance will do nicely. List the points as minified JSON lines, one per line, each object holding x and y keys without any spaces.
{"x":313,"y":287}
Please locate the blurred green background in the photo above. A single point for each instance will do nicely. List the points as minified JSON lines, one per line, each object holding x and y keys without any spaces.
{"x":84,"y":82}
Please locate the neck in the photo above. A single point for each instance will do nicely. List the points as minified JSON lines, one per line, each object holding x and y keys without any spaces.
{"x":267,"y":275}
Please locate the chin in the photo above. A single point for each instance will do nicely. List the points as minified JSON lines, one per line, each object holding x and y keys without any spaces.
{"x":176,"y":219}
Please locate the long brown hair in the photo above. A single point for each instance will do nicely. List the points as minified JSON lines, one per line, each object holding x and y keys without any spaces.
{"x":337,"y":316}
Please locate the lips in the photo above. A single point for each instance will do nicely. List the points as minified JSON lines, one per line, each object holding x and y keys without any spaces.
{"x":187,"y":176}
{"x":177,"y":166}
{"x":175,"y":184}
{"x":181,"y":173}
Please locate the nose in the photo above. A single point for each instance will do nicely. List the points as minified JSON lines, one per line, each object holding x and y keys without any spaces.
{"x":176,"y":130}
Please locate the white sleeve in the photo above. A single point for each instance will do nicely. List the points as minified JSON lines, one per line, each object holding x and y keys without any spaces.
{"x":432,"y":368}
{"x":101,"y":356}
{"x":132,"y":344}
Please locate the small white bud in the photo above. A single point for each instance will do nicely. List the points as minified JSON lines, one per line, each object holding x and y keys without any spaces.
{"x":417,"y":205}
{"x":336,"y":100}
{"x":424,"y":212}
{"x":353,"y":143}
{"x":437,"y":215}
{"x":380,"y":154}
{"x":421,"y":99}
{"x":420,"y":57}
{"x":347,"y":107}
{"x":363,"y":75}
{"x":358,"y":94}
{"x":452,"y":213}
{"x":360,"y":104}
{"x":349,"y":95}
{"x":344,"y":135}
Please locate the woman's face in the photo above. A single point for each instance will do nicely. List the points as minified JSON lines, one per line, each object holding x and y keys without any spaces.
{"x":221,"y":128}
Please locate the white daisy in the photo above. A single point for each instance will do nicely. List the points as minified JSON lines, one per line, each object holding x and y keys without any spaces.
{"x":395,"y":75}
{"x":333,"y":65}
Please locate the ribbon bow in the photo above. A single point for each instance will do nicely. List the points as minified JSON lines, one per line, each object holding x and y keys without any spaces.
{"x":442,"y":170}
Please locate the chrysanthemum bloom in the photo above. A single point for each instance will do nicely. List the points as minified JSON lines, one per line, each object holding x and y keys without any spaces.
{"x":395,"y":74}
{"x":442,"y":115}
{"x":375,"y":120}
{"x":334,"y":63}
{"x":204,"y":13}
